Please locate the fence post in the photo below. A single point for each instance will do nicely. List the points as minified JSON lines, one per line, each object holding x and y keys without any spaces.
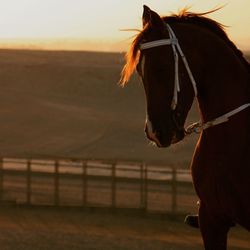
{"x":174,"y":191}
{"x":143,"y":178}
{"x":145,"y":186}
{"x":84,"y":183}
{"x":1,"y":179}
{"x":113,"y":186}
{"x":28,"y":199}
{"x":141,"y":187}
{"x":56,"y":183}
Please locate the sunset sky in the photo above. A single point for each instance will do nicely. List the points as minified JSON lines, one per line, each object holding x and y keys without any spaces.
{"x":95,"y":25}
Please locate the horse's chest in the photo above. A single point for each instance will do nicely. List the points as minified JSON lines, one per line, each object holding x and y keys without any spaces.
{"x":219,"y":175}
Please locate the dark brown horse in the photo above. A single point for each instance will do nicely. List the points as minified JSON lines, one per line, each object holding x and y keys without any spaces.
{"x":214,"y":70}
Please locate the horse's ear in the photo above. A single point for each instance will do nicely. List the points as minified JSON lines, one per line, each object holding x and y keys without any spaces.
{"x":146,"y":16}
{"x":152,"y":18}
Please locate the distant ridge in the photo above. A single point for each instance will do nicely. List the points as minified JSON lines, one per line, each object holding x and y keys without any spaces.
{"x":62,"y":44}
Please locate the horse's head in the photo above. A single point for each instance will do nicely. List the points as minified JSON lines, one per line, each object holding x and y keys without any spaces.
{"x":156,"y":67}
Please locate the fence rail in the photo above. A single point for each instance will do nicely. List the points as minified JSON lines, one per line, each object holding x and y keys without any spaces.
{"x":114,"y":184}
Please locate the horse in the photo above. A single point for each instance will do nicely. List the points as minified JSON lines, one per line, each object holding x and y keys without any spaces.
{"x":213,"y":70}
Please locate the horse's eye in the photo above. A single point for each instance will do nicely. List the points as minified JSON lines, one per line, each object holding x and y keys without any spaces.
{"x":160,"y":67}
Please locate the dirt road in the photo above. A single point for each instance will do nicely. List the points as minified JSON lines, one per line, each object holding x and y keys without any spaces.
{"x":44,"y":228}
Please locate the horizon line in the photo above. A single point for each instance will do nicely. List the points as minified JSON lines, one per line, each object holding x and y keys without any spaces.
{"x":74,"y":44}
{"x":67,"y":44}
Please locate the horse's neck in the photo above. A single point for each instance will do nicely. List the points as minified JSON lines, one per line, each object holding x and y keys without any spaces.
{"x":222,"y":77}
{"x":223,"y":91}
{"x":225,"y":87}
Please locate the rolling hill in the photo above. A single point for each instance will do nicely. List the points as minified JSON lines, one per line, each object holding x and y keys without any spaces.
{"x":68,"y":105}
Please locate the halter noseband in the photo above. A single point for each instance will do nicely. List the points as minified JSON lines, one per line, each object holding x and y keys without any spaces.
{"x":173,"y":41}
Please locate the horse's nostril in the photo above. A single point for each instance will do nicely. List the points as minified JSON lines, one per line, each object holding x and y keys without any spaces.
{"x":146,"y":129}
{"x":158,"y":133}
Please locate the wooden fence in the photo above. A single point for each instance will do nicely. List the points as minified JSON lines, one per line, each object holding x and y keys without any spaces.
{"x":96,"y":183}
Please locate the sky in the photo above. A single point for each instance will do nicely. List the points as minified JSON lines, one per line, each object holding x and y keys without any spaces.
{"x":96,"y":25}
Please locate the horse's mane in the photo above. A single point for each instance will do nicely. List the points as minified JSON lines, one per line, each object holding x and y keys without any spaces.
{"x":184,"y":16}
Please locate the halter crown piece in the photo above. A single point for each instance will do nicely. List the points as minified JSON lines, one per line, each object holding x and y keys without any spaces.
{"x":173,"y":41}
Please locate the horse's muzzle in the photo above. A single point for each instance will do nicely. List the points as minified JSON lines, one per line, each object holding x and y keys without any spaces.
{"x":158,"y":137}
{"x":163,"y":137}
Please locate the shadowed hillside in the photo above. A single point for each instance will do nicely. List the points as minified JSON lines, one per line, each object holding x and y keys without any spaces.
{"x":68,"y":104}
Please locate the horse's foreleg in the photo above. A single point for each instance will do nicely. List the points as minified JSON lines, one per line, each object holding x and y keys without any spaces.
{"x":213,"y":229}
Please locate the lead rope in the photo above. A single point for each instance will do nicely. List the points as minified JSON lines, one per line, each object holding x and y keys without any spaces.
{"x":197,"y":127}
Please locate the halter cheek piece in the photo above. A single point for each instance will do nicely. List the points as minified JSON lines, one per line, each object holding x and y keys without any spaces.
{"x":173,"y":41}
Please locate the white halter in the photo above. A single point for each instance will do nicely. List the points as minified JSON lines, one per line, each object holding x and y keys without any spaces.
{"x":173,"y":41}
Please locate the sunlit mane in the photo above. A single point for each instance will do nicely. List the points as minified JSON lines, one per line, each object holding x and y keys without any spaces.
{"x":132,"y":57}
{"x":184,"y":16}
